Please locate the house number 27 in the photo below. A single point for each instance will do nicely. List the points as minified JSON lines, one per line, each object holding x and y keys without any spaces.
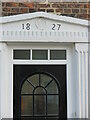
{"x":56,"y":26}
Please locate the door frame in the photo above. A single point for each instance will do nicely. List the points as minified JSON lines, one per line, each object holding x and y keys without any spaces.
{"x":71,"y":105}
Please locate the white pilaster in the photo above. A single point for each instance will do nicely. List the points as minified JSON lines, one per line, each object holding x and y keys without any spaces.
{"x":0,"y":84}
{"x":89,"y":82}
{"x":4,"y":83}
{"x":82,"y":82}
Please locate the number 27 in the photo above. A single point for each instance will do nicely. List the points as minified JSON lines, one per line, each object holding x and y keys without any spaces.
{"x":56,"y":26}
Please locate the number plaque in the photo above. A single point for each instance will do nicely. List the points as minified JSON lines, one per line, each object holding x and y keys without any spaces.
{"x":54,"y":26}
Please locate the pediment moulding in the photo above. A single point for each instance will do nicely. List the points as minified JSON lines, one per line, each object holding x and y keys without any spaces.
{"x":45,"y":27}
{"x":51,"y":16}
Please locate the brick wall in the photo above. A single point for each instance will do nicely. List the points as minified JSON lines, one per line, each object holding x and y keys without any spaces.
{"x":73,"y":9}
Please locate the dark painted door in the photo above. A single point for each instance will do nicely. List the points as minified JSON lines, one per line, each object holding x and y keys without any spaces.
{"x":39,"y":91}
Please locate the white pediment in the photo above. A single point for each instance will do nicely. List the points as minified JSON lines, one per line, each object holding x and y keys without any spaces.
{"x":43,"y":27}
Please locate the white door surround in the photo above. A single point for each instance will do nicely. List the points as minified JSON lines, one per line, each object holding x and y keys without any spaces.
{"x":46,"y":31}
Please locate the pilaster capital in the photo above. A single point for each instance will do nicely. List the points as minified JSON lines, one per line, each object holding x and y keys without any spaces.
{"x":81,"y":47}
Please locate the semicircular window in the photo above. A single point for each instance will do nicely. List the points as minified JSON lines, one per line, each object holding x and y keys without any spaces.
{"x":40,"y":96}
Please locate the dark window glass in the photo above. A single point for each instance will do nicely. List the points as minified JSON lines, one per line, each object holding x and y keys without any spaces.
{"x":57,"y":54}
{"x":34,"y":80}
{"x":39,"y":90}
{"x":52,"y":105}
{"x":27,"y":88}
{"x":21,"y":54}
{"x":52,"y":88}
{"x":45,"y":79}
{"x":26,"y":105}
{"x":39,"y":54}
{"x":40,"y":105}
{"x":40,"y":96}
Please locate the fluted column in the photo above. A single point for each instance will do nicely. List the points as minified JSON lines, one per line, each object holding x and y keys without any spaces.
{"x":82,"y":82}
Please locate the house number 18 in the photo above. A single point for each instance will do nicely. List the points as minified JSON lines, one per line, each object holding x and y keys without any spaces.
{"x":26,"y":26}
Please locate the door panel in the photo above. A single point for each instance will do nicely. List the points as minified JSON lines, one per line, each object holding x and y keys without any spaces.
{"x":48,"y":99}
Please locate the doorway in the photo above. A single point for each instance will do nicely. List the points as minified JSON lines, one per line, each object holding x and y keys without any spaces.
{"x":39,"y":91}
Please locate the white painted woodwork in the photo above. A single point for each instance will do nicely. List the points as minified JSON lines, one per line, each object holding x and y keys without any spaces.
{"x":72,"y":36}
{"x":71,"y":30}
{"x":82,"y":55}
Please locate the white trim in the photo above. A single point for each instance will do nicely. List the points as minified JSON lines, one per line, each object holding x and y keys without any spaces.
{"x":89,"y":81}
{"x":82,"y":57}
{"x":46,"y":36}
{"x":0,"y":84}
{"x":7,"y":53}
{"x":7,"y":66}
{"x":36,"y":60}
{"x":86,"y":84}
{"x":27,"y":16}
{"x":4,"y":82}
{"x":66,"y":29}
{"x":61,"y":62}
{"x":72,"y":36}
{"x":70,"y":109}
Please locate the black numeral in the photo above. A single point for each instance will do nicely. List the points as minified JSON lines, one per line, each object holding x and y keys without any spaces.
{"x":26,"y":26}
{"x":53,"y":27}
{"x":59,"y":25}
{"x":22,"y":26}
{"x":56,"y":26}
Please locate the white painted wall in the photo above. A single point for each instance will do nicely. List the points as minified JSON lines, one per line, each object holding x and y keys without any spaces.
{"x":89,"y":82}
{"x":0,"y":84}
